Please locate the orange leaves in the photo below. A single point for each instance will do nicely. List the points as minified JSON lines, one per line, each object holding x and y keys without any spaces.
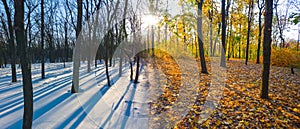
{"x":240,"y":105}
{"x":296,"y":110}
{"x":285,"y":58}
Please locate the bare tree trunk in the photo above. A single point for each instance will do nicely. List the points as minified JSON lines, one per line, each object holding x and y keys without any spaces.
{"x":223,"y":51}
{"x":229,"y":41}
{"x":200,"y":38}
{"x":66,"y":44}
{"x":260,"y":7}
{"x":152,"y":39}
{"x":131,"y":70}
{"x":26,"y":68}
{"x":267,"y":48}
{"x":11,"y":41}
{"x":76,"y":59}
{"x":211,"y":30}
{"x":123,"y":36}
{"x":42,"y":40}
{"x":137,"y":69}
{"x":250,"y":13}
{"x":106,"y":65}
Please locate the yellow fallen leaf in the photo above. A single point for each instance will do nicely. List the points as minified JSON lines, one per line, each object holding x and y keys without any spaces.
{"x":246,"y":123}
{"x":296,"y":110}
{"x":218,"y":122}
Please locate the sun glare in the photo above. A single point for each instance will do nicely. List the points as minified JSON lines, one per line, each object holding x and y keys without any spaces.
{"x":149,"y":20}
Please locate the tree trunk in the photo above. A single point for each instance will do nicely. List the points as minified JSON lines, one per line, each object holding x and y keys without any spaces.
{"x":131,"y":70}
{"x":229,"y":41}
{"x":42,"y":41}
{"x":25,"y":66}
{"x":120,"y":66}
{"x":11,"y":41}
{"x":66,"y":44}
{"x":250,"y":11}
{"x":259,"y":38}
{"x":223,"y":51}
{"x":200,"y":38}
{"x":267,"y":48}
{"x":152,"y":39}
{"x":76,"y":59}
{"x":106,"y":68}
{"x":137,"y":69}
{"x":260,"y":7}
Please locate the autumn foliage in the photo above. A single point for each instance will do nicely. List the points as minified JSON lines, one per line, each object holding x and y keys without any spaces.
{"x":284,"y":57}
{"x":240,"y":106}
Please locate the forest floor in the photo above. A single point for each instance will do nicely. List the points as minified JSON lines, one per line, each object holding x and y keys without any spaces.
{"x":240,"y":104}
{"x":170,"y":94}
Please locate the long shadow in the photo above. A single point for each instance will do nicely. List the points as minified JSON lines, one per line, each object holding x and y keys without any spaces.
{"x":80,"y":113}
{"x":36,"y":89}
{"x":50,"y":72}
{"x":39,"y":94}
{"x":52,"y":89}
{"x":42,"y":110}
{"x":34,"y":81}
{"x":114,"y":79}
{"x":128,"y":109}
{"x":116,"y":107}
{"x":18,"y":98}
{"x":45,"y":108}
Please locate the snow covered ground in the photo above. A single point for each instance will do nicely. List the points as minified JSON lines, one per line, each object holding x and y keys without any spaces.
{"x":123,"y":105}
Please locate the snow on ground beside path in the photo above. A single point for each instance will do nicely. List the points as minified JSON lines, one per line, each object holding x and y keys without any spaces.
{"x":123,"y":105}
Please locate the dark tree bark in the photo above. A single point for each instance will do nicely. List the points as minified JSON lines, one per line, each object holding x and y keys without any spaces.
{"x":267,"y":48}
{"x":200,"y":37}
{"x":76,"y":59}
{"x":223,"y":51}
{"x":260,"y":7}
{"x":66,"y":46}
{"x":42,"y":40}
{"x":240,"y":41}
{"x":11,"y":42}
{"x":137,"y":69}
{"x":250,"y":13}
{"x":131,"y":70}
{"x":107,"y":55}
{"x":25,"y":66}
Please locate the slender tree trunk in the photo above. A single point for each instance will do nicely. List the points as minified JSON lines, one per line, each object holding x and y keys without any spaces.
{"x":11,"y":42}
{"x":216,"y":39}
{"x":200,"y":38}
{"x":267,"y":48}
{"x":229,"y":41}
{"x":131,"y":70}
{"x":137,"y":69}
{"x":196,"y":46}
{"x":106,"y":67}
{"x":250,"y":12}
{"x":152,"y":40}
{"x":223,"y":51}
{"x":259,"y":38}
{"x":76,"y":57}
{"x":66,"y":46}
{"x":240,"y":41}
{"x":42,"y":40}
{"x":25,"y":66}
